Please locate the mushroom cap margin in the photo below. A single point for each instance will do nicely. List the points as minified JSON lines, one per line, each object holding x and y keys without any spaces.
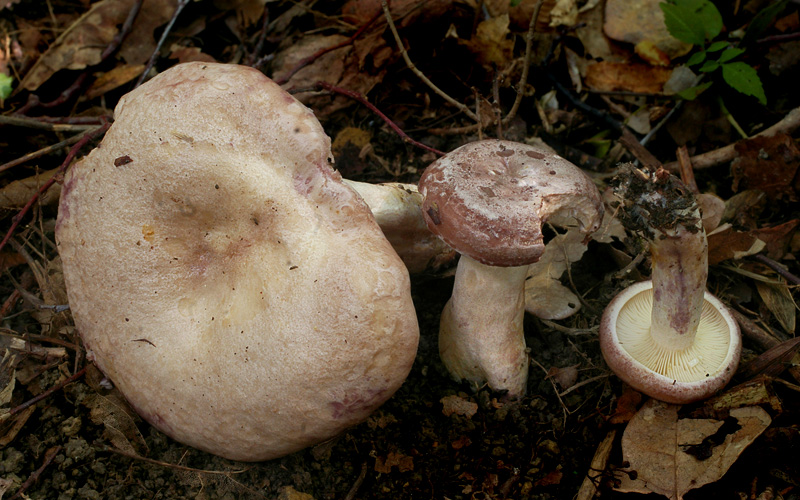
{"x":647,"y":381}
{"x":489,"y":199}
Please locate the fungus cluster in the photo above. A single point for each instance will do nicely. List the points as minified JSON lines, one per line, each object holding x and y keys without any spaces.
{"x":222,"y":275}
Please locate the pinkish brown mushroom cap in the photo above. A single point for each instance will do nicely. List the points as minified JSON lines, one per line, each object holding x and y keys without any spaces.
{"x":489,"y":199}
{"x":239,"y":295}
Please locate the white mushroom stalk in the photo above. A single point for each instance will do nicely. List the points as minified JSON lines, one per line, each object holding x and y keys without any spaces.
{"x":668,"y":337}
{"x":397,"y":208}
{"x":480,"y":332}
{"x":489,"y":200}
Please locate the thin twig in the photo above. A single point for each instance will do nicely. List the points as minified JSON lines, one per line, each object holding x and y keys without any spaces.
{"x":523,"y":82}
{"x":61,"y":169}
{"x":49,"y":455}
{"x":38,"y":123}
{"x":164,"y":35}
{"x":461,"y":107}
{"x":13,"y":411}
{"x":41,"y":152}
{"x":184,"y":468}
{"x":313,"y":57}
{"x":775,"y":266}
{"x":787,"y":125}
{"x":637,"y":150}
{"x":363,"y":100}
{"x":523,"y":79}
{"x":687,"y":172}
{"x":262,"y":38}
{"x":357,"y":484}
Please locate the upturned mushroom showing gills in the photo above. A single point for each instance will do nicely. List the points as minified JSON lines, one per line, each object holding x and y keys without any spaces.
{"x":668,"y":337}
{"x":239,"y":295}
{"x":489,"y":201}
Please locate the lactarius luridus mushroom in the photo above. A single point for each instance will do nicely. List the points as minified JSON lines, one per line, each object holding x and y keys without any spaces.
{"x":489,"y":200}
{"x":668,"y":338}
{"x":240,"y":296}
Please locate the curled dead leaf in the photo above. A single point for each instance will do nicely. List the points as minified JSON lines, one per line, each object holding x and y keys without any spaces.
{"x":672,"y":455}
{"x":609,"y":76}
{"x":459,"y":406}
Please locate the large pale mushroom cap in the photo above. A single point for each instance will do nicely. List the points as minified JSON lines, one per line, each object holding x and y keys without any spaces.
{"x":675,"y":376}
{"x":223,"y":277}
{"x":489,"y":199}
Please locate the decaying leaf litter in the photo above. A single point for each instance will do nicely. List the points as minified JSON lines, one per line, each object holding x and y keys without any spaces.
{"x":570,"y":79}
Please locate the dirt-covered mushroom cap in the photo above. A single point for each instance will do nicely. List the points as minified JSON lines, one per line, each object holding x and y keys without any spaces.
{"x":240,"y":296}
{"x":489,"y":199}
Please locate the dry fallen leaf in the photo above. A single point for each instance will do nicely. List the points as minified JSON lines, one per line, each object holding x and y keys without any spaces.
{"x":726,"y":243}
{"x":641,"y":23}
{"x":778,"y":299}
{"x":17,"y":193}
{"x":565,"y":377}
{"x":672,"y":456}
{"x":545,"y":296}
{"x":492,"y":44}
{"x":642,"y":78}
{"x":769,"y":164}
{"x":115,"y":78}
{"x":118,"y":420}
{"x":459,"y":406}
{"x":82,"y":44}
{"x":403,"y":463}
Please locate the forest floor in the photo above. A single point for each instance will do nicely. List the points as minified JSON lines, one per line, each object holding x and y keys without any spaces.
{"x":589,"y":79}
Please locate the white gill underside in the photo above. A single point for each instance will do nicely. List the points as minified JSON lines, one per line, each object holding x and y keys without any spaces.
{"x":703,"y":359}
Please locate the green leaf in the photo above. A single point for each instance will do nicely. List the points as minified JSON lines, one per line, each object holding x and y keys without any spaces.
{"x":762,"y":21}
{"x":691,"y":93}
{"x":5,"y":86}
{"x":692,"y":21}
{"x":744,"y":78}
{"x":709,"y":66}
{"x":514,"y":3}
{"x":717,"y":46}
{"x":730,"y":54}
{"x":696,"y":58}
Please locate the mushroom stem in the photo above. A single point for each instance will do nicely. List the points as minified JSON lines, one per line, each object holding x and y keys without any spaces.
{"x":480,"y":336}
{"x":679,"y":273}
{"x":397,"y":209}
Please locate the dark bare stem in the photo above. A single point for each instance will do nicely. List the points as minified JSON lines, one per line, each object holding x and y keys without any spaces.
{"x":164,"y":35}
{"x":37,"y":154}
{"x":460,"y":106}
{"x":523,"y":79}
{"x":775,"y":266}
{"x":262,"y":37}
{"x":363,"y":100}
{"x":313,"y":57}
{"x":787,"y":125}
{"x":61,"y":169}
{"x":49,"y":455}
{"x":45,"y":394}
